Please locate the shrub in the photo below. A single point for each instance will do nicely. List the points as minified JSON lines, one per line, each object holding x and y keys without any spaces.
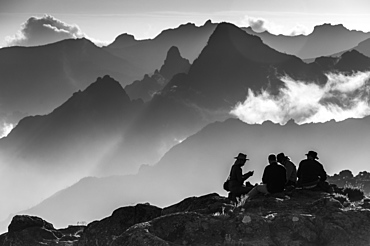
{"x":354,"y":193}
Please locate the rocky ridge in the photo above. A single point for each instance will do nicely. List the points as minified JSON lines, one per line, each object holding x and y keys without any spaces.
{"x":300,"y":218}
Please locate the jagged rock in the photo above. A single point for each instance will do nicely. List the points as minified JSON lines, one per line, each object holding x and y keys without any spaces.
{"x":105,"y":231}
{"x":27,"y":230}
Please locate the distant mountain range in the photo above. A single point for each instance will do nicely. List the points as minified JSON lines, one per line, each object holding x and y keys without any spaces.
{"x":149,"y":54}
{"x":35,"y":80}
{"x":325,"y":40}
{"x":101,"y":131}
{"x":51,"y":73}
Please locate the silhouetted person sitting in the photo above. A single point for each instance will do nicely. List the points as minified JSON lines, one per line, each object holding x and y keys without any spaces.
{"x":273,"y":179}
{"x":311,"y":173}
{"x":236,"y":183}
{"x":291,"y":170}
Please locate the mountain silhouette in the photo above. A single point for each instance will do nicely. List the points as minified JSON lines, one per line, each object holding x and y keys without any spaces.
{"x":66,"y":144}
{"x":209,"y":153}
{"x":149,"y":54}
{"x":149,"y":85}
{"x":348,"y":62}
{"x":364,"y":47}
{"x":231,"y":63}
{"x":35,"y":80}
{"x":326,"y":39}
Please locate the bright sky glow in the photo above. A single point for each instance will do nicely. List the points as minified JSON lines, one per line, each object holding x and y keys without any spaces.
{"x":105,"y":20}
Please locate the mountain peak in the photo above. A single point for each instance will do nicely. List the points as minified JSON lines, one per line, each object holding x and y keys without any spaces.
{"x":123,"y":40}
{"x":329,"y":27}
{"x":107,"y":87}
{"x":174,"y":63}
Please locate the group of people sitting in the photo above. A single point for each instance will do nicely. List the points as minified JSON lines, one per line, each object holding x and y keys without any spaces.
{"x":279,"y":175}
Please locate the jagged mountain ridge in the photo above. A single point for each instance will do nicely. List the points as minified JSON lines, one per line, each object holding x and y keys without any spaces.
{"x":189,"y":38}
{"x":325,"y":40}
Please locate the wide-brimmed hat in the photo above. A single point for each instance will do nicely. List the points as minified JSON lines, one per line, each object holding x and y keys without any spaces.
{"x":312,"y":154}
{"x":241,"y":156}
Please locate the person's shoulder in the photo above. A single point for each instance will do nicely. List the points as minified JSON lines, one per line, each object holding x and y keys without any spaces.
{"x":317,"y":162}
{"x":281,"y":166}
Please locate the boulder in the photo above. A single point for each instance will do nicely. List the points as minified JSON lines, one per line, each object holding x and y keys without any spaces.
{"x":105,"y":231}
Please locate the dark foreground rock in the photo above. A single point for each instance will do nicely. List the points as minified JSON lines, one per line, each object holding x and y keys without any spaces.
{"x":302,"y":218}
{"x":27,"y":230}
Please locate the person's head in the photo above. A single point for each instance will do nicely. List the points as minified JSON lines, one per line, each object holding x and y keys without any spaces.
{"x":312,"y":155}
{"x":272,"y":158}
{"x":241,"y":159}
{"x":281,"y":157}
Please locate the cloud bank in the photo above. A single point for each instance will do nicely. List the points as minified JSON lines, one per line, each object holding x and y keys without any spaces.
{"x":43,"y":30}
{"x":342,"y":97}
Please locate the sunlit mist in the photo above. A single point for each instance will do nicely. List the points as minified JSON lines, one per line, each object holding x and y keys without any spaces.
{"x":342,"y":97}
{"x":5,"y":129}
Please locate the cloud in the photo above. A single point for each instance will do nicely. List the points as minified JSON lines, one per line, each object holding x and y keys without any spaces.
{"x":43,"y":30}
{"x":261,"y":25}
{"x":298,"y":30}
{"x":258,"y":24}
{"x":342,"y":97}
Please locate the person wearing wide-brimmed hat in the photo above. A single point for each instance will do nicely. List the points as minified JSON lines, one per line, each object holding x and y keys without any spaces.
{"x":311,"y":173}
{"x":237,"y":178}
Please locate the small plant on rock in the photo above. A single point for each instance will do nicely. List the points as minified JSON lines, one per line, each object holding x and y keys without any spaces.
{"x":354,"y":193}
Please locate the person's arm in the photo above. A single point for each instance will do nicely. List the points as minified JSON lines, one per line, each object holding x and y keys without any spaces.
{"x":247,"y":175}
{"x":323,"y":175}
{"x":265,"y":176}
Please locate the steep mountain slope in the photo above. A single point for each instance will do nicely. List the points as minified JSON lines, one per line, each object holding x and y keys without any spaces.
{"x":35,"y":80}
{"x":325,"y":40}
{"x":51,"y":151}
{"x":234,"y":61}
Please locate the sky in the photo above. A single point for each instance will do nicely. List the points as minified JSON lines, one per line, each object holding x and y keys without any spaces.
{"x":103,"y":21}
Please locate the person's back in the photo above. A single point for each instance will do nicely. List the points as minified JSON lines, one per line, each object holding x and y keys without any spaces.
{"x":236,"y":179}
{"x":310,"y":170}
{"x":274,"y":177}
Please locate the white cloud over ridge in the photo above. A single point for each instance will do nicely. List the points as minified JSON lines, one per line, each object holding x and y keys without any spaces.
{"x":261,"y":25}
{"x":43,"y":30}
{"x":342,"y":97}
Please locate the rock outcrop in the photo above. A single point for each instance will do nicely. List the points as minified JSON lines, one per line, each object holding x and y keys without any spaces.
{"x":300,"y":218}
{"x":27,"y":230}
